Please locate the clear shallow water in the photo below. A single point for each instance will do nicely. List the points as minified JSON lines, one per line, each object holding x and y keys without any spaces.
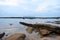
{"x":16,"y":27}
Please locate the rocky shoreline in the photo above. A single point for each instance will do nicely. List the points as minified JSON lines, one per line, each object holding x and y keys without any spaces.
{"x":19,"y":36}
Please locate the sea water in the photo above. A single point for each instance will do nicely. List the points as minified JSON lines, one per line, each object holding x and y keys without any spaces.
{"x":12,"y":26}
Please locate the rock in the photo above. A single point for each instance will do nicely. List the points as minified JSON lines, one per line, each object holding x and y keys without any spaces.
{"x":18,"y":36}
{"x":30,"y":29}
{"x":2,"y":35}
{"x":44,"y":31}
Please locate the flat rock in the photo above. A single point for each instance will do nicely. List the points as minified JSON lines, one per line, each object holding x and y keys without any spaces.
{"x":18,"y":36}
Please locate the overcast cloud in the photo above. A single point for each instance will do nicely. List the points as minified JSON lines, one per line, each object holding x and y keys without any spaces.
{"x":29,"y":7}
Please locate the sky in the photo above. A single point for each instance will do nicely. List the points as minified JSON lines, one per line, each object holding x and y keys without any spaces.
{"x":40,"y":8}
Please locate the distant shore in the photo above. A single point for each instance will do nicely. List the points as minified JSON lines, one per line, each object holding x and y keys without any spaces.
{"x":29,"y":17}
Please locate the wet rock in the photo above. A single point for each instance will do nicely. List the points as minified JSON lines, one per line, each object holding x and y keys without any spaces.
{"x":44,"y":31}
{"x":2,"y":35}
{"x":18,"y":36}
{"x":30,"y":29}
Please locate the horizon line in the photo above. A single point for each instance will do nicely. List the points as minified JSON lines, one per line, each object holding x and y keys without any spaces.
{"x":30,"y":17}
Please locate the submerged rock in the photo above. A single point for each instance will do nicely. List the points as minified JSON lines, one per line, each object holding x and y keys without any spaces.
{"x":30,"y":29}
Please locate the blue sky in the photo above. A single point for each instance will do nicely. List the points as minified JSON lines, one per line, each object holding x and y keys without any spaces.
{"x":30,"y":8}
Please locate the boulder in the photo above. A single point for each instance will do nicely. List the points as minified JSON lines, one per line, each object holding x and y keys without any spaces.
{"x":18,"y":36}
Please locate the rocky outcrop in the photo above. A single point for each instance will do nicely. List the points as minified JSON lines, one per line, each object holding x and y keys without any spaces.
{"x":43,"y":29}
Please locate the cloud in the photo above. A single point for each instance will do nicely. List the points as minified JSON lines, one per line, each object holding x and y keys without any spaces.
{"x":41,"y":8}
{"x":34,"y":1}
{"x":9,"y":2}
{"x":46,"y":6}
{"x":27,"y":7}
{"x":23,"y":1}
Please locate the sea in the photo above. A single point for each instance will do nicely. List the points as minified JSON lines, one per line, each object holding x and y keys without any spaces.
{"x":12,"y":26}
